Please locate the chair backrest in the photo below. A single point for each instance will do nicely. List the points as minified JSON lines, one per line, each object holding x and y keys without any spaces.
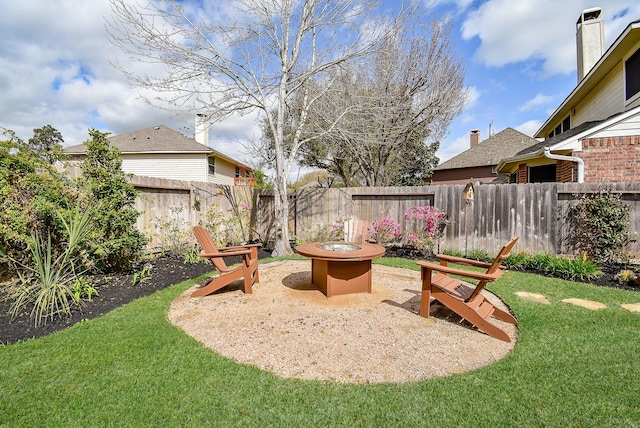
{"x":497,"y":262}
{"x":209,"y":247}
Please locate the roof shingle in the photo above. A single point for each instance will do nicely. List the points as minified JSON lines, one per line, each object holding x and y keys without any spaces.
{"x":504,"y":144}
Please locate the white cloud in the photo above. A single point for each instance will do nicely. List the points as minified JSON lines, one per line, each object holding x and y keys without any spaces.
{"x":529,"y":127}
{"x":453,"y":148}
{"x":55,"y":69}
{"x":537,"y":101}
{"x":538,"y":31}
{"x":473,"y":95}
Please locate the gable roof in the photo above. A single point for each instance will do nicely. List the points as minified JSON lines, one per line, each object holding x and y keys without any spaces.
{"x":610,"y":59}
{"x":157,"y":139}
{"x":505,"y":143}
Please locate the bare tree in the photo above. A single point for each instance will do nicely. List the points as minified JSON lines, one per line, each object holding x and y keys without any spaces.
{"x":251,"y":54}
{"x":380,"y":115}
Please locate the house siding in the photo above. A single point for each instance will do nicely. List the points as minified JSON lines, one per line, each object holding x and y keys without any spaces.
{"x":186,"y":167}
{"x":606,"y":99}
{"x":225,"y":173}
{"x":614,"y":159}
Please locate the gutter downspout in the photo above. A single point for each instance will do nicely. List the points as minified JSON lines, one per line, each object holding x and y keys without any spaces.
{"x":580,"y":162}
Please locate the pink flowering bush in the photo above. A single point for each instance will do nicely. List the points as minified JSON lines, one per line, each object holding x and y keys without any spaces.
{"x":384,"y":231}
{"x":430,"y":223}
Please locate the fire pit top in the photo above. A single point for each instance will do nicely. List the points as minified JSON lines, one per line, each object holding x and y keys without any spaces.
{"x":340,"y":251}
{"x":340,"y":247}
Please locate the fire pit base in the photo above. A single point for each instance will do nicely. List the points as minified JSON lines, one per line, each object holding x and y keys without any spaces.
{"x":337,"y":272}
{"x":341,"y":277}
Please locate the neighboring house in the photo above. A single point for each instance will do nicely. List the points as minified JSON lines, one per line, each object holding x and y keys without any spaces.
{"x":164,"y":153}
{"x":479,"y":162}
{"x":594,"y":135}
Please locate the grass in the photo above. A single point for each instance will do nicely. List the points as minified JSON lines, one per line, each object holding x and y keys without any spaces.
{"x":571,"y":367}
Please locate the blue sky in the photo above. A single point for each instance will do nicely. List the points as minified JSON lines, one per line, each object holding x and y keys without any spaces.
{"x":519,"y":55}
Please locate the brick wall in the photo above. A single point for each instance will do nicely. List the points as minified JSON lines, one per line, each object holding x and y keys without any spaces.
{"x":566,"y":172}
{"x":614,"y":159}
{"x":523,"y":173}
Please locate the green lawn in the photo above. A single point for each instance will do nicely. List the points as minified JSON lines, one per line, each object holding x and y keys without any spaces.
{"x":571,"y":368}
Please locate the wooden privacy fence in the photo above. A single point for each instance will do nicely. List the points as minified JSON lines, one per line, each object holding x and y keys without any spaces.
{"x":170,"y":208}
{"x":538,"y":213}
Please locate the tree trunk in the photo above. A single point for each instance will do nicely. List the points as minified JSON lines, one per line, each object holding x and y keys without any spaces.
{"x":282,"y":246}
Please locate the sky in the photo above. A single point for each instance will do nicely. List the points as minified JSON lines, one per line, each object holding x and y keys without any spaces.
{"x":56,"y":69}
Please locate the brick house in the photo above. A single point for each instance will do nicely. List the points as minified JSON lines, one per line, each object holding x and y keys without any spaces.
{"x":479,"y":162}
{"x":594,"y":135}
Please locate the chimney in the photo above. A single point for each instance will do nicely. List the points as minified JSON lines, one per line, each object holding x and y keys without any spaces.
{"x":202,"y":129}
{"x":589,"y":40}
{"x":474,"y":137}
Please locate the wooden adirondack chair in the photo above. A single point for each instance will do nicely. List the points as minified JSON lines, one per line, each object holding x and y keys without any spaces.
{"x":247,"y":270}
{"x":464,"y":298}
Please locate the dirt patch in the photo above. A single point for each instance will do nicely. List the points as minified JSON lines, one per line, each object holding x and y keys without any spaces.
{"x":290,"y":328}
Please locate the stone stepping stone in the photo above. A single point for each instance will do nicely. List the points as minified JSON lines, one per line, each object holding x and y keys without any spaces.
{"x":588,"y":304}
{"x":633,"y":307}
{"x":534,"y":297}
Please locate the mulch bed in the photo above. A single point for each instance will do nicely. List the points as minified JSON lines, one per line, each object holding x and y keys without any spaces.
{"x":167,"y":269}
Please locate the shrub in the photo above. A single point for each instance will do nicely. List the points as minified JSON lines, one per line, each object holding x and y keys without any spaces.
{"x":173,"y":232}
{"x":52,"y":283}
{"x":228,"y":227}
{"x":601,"y":223}
{"x":32,"y":195}
{"x":625,"y":275}
{"x":579,"y":269}
{"x":477,"y":254}
{"x":385,"y":231}
{"x":116,"y":243}
{"x":452,"y":252}
{"x":430,"y":223}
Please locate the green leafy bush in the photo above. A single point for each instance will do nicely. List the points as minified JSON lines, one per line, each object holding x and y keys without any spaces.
{"x":578,"y":269}
{"x":50,"y":282}
{"x":116,"y":243}
{"x":32,"y":195}
{"x":601,"y":226}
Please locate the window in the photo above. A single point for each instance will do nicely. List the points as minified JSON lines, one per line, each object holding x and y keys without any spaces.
{"x":564,"y":126}
{"x":632,"y":75}
{"x":212,"y":165}
{"x":542,"y":174}
{"x":237,"y":172}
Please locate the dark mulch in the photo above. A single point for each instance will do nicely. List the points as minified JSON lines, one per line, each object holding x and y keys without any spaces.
{"x":167,"y":269}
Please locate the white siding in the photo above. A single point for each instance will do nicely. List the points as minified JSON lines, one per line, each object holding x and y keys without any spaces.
{"x":606,"y":99}
{"x":225,"y":173}
{"x":630,"y":126}
{"x":174,"y":166}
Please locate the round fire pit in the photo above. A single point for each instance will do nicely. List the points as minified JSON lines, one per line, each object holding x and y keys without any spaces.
{"x":340,"y":247}
{"x":339,"y":267}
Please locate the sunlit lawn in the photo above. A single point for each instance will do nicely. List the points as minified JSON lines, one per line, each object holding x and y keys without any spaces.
{"x":571,"y":367}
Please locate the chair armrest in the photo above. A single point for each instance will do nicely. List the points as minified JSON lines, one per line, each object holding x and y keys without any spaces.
{"x":469,"y":262}
{"x":463,"y":261}
{"x":237,"y":247}
{"x":225,"y":254}
{"x":455,"y":271}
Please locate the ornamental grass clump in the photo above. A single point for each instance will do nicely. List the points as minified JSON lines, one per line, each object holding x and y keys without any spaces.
{"x":385,"y":231}
{"x":430,"y":224}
